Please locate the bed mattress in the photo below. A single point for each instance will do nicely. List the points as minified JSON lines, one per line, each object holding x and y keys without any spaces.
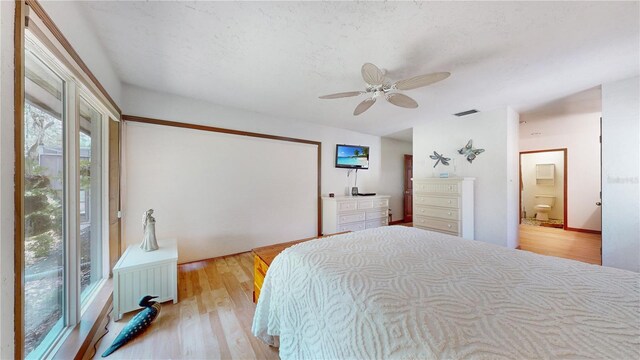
{"x":400,"y":292}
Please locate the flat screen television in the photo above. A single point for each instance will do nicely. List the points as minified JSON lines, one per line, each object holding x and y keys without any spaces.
{"x":352,"y":156}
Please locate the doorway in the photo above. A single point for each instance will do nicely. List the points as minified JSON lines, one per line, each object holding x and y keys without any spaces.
{"x":543,"y":188}
{"x":408,"y":188}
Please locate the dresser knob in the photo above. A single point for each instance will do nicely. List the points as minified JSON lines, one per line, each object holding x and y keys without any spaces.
{"x":449,"y":213}
{"x":449,"y":226}
{"x":449,"y":201}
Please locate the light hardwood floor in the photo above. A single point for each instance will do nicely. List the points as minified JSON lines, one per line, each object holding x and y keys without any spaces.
{"x":212,"y":319}
{"x":561,"y":243}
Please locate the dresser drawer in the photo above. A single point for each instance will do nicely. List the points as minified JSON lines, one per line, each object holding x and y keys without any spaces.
{"x":259,"y":265}
{"x":377,"y":214}
{"x":347,"y":205}
{"x":376,"y":223}
{"x":448,"y":202}
{"x":436,"y":188}
{"x":442,"y":225}
{"x":381,"y":203}
{"x":258,"y":279}
{"x":343,"y":219}
{"x":365,"y":204}
{"x":351,"y":226}
{"x":447,"y":214}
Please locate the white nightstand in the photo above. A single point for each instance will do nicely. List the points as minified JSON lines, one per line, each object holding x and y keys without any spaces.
{"x":139,"y":273}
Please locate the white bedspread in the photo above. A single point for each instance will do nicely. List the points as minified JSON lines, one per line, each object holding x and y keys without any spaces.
{"x":399,"y":292}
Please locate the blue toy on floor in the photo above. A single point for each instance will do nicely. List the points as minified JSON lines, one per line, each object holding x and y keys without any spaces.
{"x":137,"y":325}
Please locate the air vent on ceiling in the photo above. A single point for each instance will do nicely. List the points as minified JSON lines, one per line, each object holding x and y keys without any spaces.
{"x":468,"y":112}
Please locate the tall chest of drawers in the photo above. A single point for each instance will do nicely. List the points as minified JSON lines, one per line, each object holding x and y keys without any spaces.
{"x":353,"y":213}
{"x":444,"y":205}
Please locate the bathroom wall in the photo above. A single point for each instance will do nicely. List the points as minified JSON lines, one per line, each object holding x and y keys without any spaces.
{"x":531,"y":188}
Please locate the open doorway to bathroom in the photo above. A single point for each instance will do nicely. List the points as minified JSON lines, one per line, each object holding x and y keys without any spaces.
{"x":572,"y":123}
{"x":543,"y":188}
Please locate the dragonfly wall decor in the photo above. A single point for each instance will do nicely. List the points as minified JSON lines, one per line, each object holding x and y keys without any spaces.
{"x":440,"y":159}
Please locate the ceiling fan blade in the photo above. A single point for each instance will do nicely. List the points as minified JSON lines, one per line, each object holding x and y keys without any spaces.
{"x":372,"y":75}
{"x":421,"y":80}
{"x":364,"y":106}
{"x":402,"y":100}
{"x":342,"y":95}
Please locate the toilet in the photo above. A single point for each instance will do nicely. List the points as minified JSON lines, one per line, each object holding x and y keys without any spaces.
{"x":544,"y":203}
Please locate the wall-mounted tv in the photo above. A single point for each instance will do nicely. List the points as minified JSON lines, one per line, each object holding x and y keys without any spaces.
{"x":352,"y":156}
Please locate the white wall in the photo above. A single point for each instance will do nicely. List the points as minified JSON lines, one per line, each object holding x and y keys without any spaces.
{"x":579,"y":133}
{"x":392,"y":177}
{"x":495,"y":170}
{"x":219,"y":194}
{"x":147,"y":103}
{"x":528,"y":164}
{"x":620,"y":173}
{"x":72,"y":22}
{"x":6,"y":179}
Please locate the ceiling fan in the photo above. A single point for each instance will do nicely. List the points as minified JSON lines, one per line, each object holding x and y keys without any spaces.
{"x":378,"y":85}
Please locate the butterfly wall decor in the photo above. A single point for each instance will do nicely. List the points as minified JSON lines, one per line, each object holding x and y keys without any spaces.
{"x":470,"y":152}
{"x":440,"y":159}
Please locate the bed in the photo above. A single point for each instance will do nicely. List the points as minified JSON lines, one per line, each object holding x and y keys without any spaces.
{"x":400,"y":292}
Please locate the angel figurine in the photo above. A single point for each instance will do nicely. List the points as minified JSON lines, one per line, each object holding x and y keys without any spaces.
{"x":149,"y":242}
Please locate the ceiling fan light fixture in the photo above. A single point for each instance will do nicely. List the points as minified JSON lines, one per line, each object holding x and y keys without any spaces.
{"x":377,"y":85}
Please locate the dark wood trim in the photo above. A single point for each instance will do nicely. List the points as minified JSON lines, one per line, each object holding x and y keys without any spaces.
{"x":566,"y":177}
{"x":544,"y":150}
{"x":182,"y":125}
{"x":146,"y":120}
{"x":18,"y":178}
{"x":588,"y":231}
{"x":77,"y":343}
{"x":396,"y":222}
{"x":48,"y":22}
{"x":319,"y":232}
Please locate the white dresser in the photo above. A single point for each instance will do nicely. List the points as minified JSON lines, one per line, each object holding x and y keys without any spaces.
{"x":139,"y":273}
{"x":444,"y":205}
{"x":353,"y":213}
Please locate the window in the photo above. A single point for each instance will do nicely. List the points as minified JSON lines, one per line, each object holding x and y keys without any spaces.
{"x":90,"y":196}
{"x":65,"y":191}
{"x":44,"y":203}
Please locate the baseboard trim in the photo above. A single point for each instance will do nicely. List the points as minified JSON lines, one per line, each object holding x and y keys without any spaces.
{"x":396,"y":222}
{"x":584,"y":230}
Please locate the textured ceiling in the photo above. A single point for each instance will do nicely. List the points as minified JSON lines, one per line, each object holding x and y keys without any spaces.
{"x":278,"y":57}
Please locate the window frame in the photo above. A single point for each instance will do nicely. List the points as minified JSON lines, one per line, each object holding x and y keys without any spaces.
{"x":74,"y":303}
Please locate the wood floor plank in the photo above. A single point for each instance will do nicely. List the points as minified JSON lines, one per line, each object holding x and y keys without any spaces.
{"x":221,"y":340}
{"x":239,"y":345}
{"x":215,"y":281}
{"x":236,"y":269}
{"x":221,"y":266}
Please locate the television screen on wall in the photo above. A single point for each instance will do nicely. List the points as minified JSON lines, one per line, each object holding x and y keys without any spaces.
{"x":352,"y":156}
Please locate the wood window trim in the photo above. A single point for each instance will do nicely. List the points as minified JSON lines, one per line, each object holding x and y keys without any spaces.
{"x":153,"y":121}
{"x":35,"y":6}
{"x":18,"y":180}
{"x":76,"y":344}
